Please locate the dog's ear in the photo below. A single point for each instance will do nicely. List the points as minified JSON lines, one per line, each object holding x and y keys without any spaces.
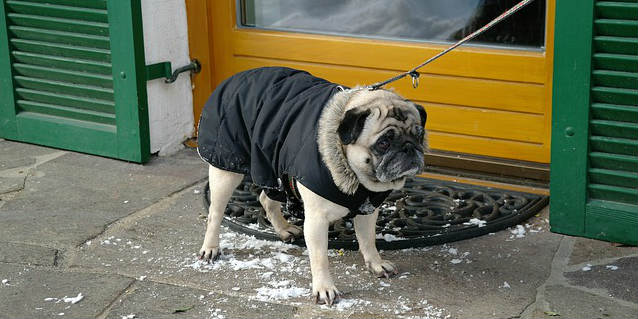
{"x":352,"y":125}
{"x":422,"y":113}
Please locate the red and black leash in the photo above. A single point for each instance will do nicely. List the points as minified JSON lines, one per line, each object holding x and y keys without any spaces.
{"x":415,"y":75}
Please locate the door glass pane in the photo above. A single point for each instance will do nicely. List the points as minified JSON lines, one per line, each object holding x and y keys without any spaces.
{"x":409,"y":20}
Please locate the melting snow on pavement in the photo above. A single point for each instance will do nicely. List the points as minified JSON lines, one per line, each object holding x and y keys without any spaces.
{"x":518,"y":231}
{"x":475,"y":221}
{"x":72,"y":300}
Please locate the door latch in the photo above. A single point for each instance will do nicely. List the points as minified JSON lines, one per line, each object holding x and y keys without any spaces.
{"x":194,"y":67}
{"x":163,"y":69}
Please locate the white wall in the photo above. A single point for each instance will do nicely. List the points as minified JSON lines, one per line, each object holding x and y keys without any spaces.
{"x":170,"y":106}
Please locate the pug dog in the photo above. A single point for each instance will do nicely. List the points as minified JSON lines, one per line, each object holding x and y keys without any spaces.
{"x":339,"y":151}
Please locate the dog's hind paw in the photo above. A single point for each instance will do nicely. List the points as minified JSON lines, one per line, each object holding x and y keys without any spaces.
{"x":209,"y":254}
{"x":383,"y":268}
{"x":290,"y":233}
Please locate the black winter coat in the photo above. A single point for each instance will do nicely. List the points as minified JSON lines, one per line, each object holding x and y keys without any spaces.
{"x":263,"y":123}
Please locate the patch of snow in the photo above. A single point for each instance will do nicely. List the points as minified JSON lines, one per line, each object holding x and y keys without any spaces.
{"x":281,"y":283}
{"x":505,"y":285}
{"x":586,"y":268}
{"x":248,"y":264}
{"x":254,"y":226}
{"x":196,"y":191}
{"x":429,"y":312}
{"x":279,"y":293}
{"x":216,"y":313}
{"x":475,"y":221}
{"x":384,"y":284}
{"x":456,"y":261}
{"x":518,"y":232}
{"x":267,"y":262}
{"x":610,"y":267}
{"x":389,"y":237}
{"x":5,"y":282}
{"x":284,"y":258}
{"x":142,"y":278}
{"x":73,"y":300}
{"x":237,"y":241}
{"x":453,"y":251}
{"x":344,"y":304}
{"x":131,"y":316}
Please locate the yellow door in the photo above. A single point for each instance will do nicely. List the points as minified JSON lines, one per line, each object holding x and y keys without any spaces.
{"x":484,"y":101}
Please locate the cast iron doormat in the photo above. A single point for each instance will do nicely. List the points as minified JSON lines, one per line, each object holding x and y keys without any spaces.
{"x":425,"y":212}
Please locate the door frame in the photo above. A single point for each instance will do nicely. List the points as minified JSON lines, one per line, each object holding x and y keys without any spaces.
{"x":219,"y":19}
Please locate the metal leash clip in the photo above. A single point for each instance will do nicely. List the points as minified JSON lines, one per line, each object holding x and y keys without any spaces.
{"x":415,"y":78}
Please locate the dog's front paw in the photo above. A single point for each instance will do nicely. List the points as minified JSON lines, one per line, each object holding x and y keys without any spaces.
{"x":325,"y":293}
{"x":208,"y":254}
{"x":289,"y":233}
{"x":383,"y":268}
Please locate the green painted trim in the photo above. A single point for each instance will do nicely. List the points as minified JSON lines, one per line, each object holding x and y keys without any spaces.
{"x":610,"y":221}
{"x":158,"y":70}
{"x":129,"y":80}
{"x":88,"y":137}
{"x":570,"y":114}
{"x":8,"y":127}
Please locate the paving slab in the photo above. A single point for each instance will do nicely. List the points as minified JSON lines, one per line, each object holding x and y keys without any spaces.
{"x":73,"y":197}
{"x":17,"y":253}
{"x":39,"y":293}
{"x":493,"y":276}
{"x":156,"y":300}
{"x":618,"y":278}
{"x":571,"y":303}
{"x":587,"y":250}
{"x":16,"y":154}
{"x":11,"y":184}
{"x":15,"y":164}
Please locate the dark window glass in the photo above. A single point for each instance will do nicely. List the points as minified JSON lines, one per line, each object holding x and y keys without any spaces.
{"x":409,"y":20}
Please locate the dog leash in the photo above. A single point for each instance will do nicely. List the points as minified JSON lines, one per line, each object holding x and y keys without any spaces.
{"x":413,"y":72}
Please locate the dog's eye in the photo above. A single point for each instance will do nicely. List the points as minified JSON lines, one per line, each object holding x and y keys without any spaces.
{"x":383,"y":144}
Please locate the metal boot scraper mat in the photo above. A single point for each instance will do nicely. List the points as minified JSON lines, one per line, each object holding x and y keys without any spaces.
{"x":425,"y":212}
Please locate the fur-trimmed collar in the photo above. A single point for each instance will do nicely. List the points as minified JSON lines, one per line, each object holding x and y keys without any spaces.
{"x":330,"y":146}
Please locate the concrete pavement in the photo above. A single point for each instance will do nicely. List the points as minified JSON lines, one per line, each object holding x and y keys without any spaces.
{"x":83,"y":236}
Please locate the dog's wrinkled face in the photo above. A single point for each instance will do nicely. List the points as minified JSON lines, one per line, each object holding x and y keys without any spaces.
{"x":384,"y":138}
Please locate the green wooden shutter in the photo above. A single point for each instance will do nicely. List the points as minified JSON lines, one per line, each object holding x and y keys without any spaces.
{"x":73,"y":76}
{"x":594,"y":165}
